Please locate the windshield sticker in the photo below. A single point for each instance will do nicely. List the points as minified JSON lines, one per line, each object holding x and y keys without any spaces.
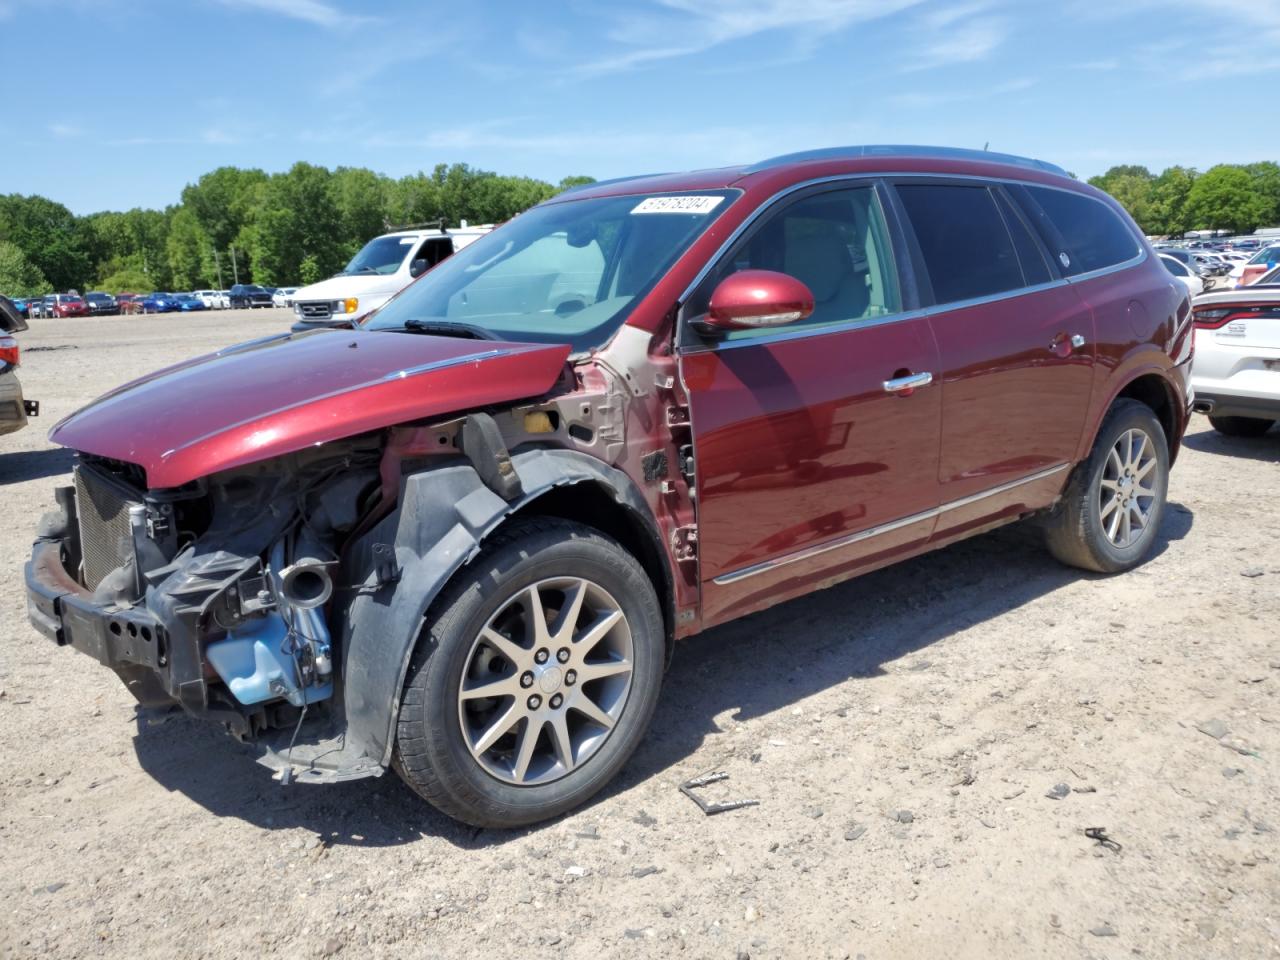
{"x":699,"y":205}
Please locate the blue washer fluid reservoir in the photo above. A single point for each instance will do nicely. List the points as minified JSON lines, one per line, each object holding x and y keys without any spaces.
{"x":251,"y":658}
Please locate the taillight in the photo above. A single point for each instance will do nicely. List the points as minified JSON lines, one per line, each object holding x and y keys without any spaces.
{"x":8,"y":351}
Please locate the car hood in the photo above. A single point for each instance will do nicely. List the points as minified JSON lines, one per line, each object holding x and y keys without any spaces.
{"x":341,"y":287}
{"x":280,"y":394}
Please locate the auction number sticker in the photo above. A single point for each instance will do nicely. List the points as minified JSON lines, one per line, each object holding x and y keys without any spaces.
{"x":697,"y":205}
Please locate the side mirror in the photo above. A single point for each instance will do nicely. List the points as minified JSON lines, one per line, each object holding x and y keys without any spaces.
{"x":11,"y":321}
{"x":750,"y":299}
{"x":417,"y":268}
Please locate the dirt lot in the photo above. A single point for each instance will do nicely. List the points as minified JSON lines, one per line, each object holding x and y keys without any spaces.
{"x":901,"y":732}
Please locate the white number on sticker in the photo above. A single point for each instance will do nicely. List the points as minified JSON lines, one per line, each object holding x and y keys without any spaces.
{"x":697,"y":205}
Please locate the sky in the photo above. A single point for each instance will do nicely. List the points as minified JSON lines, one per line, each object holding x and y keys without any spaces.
{"x":112,"y":104}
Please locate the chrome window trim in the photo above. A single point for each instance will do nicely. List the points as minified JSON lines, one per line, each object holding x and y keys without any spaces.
{"x":763,"y":208}
{"x":807,"y":553}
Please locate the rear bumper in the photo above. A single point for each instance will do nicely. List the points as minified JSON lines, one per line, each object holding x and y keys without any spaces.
{"x":13,"y":408}
{"x":1225,"y":405}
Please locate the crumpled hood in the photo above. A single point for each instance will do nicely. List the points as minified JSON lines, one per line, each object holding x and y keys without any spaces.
{"x":268,"y":397}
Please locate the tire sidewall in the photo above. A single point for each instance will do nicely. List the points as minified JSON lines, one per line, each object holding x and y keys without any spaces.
{"x":449,"y":643}
{"x":1129,"y":417}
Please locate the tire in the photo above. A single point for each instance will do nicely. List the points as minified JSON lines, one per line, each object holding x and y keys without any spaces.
{"x":1079,"y":531}
{"x":443,"y":724}
{"x":1241,"y":426}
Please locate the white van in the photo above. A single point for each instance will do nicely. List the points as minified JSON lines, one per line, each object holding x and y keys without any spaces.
{"x":382,"y":268}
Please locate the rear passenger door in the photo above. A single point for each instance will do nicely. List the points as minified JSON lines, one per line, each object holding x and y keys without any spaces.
{"x":1016,"y":351}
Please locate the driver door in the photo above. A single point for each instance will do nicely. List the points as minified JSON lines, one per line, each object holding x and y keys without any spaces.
{"x":811,"y":465}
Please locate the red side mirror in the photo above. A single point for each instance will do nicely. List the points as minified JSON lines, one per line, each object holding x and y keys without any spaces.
{"x":758,"y":298}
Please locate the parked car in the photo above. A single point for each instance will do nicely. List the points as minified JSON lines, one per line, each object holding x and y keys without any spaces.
{"x":14,"y":408}
{"x":19,"y":304}
{"x":129,"y":302}
{"x":1259,"y":263}
{"x":1236,"y":373}
{"x":188,"y":303}
{"x":158,"y":303}
{"x":1189,"y":278}
{"x":212,"y":299}
{"x":68,"y":305}
{"x":383,"y":267}
{"x":1186,"y":257}
{"x":1212,"y":265}
{"x":101,"y":304}
{"x":246,"y":296}
{"x":460,"y":538}
{"x":283,"y":297}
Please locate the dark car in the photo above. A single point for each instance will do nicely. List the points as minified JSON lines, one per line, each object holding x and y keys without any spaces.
{"x":14,"y":410}
{"x":102,"y":304}
{"x":246,"y":296}
{"x":460,"y":539}
{"x":158,"y":303}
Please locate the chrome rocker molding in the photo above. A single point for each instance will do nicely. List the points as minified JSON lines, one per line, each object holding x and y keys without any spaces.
{"x":765,"y":566}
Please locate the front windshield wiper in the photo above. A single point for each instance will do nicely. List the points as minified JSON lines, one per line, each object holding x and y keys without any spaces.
{"x":352,"y":273}
{"x":448,"y":328}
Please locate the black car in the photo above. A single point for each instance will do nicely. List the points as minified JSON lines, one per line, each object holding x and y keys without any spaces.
{"x":249,"y":295}
{"x":102,"y":304}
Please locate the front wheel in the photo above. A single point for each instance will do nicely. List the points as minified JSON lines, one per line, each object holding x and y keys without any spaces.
{"x":1112,"y":507}
{"x":1240,"y":426}
{"x":535,"y":677}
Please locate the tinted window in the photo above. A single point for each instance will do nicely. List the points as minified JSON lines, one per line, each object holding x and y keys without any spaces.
{"x":1092,"y":235}
{"x":1034,"y":269}
{"x":1174,"y":267}
{"x":834,"y":242}
{"x":966,"y":246}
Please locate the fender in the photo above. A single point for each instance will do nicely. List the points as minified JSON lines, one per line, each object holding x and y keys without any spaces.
{"x":1139,"y":365}
{"x":441,"y":520}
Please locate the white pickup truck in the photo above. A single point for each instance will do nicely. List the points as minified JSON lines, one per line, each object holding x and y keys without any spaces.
{"x":383,"y":267}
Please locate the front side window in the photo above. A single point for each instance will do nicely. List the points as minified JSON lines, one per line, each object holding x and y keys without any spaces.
{"x":834,"y":242}
{"x":966,"y":246}
{"x":1092,"y":235}
{"x":567,"y":272}
{"x":381,"y":255}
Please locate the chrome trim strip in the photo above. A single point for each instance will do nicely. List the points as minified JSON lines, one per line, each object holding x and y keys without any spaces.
{"x":436,"y":365}
{"x":734,"y":576}
{"x":783,"y":334}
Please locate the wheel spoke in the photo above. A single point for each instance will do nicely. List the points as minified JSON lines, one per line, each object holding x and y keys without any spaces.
{"x":1146,"y":468}
{"x":563,"y":630}
{"x":1124,"y":528}
{"x":591,"y":710}
{"x":1111,"y":505}
{"x":1109,"y":484}
{"x":1139,"y":518}
{"x":505,"y":687}
{"x":537,"y":617}
{"x":1113,"y":526}
{"x":506,"y":720}
{"x":598,"y":671}
{"x":596,"y":632}
{"x":524,"y":752}
{"x":1136,"y":458}
{"x":508,"y":648}
{"x":561,"y":742}
{"x":1113,"y":460}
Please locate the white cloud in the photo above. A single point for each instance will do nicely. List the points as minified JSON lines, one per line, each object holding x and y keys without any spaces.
{"x":65,"y":131}
{"x":688,"y":27}
{"x":968,"y":42}
{"x":316,"y":12}
{"x":937,"y":98}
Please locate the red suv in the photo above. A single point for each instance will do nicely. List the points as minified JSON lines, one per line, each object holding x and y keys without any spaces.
{"x":460,"y":538}
{"x":69,"y":305}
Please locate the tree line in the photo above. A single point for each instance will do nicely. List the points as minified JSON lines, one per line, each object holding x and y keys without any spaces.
{"x":1234,"y":197}
{"x":299,"y":226}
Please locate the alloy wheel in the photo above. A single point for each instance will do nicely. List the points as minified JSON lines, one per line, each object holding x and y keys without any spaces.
{"x":1127,"y":489}
{"x":546,"y":681}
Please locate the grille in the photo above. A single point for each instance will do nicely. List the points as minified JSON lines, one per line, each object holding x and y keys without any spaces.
{"x":106,"y":538}
{"x":316,"y":309}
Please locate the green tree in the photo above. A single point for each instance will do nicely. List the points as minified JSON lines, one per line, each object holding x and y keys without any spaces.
{"x":50,"y":236}
{"x":187,"y":249}
{"x":223,"y":201}
{"x":360,"y":197}
{"x":1225,"y":198}
{"x":19,"y":277}
{"x":1132,"y":187}
{"x":1169,"y":195}
{"x":1266,"y":181}
{"x":297,"y":220}
{"x":577,"y":181}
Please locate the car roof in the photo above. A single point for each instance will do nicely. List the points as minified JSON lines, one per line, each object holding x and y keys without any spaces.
{"x":867,"y":158}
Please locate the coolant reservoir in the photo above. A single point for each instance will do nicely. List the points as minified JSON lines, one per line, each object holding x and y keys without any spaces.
{"x":253,"y":664}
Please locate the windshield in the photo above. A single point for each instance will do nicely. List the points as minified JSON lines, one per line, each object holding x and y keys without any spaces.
{"x":560,"y":273}
{"x":381,"y":255}
{"x":1266,"y":255}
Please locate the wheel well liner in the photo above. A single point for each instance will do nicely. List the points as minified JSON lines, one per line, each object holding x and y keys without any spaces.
{"x":1156,"y":392}
{"x":441,"y":520}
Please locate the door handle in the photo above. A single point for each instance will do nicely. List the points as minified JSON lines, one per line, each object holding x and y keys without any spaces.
{"x":1062,"y":345}
{"x":900,"y":384}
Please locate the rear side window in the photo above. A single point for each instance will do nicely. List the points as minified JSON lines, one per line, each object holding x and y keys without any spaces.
{"x":966,"y":246}
{"x":1091,"y":234}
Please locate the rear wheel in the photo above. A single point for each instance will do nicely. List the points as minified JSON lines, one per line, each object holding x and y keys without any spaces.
{"x":1112,"y":507}
{"x":1241,"y":426}
{"x":534,"y":679}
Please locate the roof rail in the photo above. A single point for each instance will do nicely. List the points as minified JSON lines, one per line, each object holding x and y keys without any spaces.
{"x":906,"y":150}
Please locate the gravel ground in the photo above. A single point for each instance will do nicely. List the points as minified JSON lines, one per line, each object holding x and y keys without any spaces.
{"x":906,"y":735}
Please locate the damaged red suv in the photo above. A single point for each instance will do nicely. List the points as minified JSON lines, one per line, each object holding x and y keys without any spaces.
{"x":461,"y":538}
